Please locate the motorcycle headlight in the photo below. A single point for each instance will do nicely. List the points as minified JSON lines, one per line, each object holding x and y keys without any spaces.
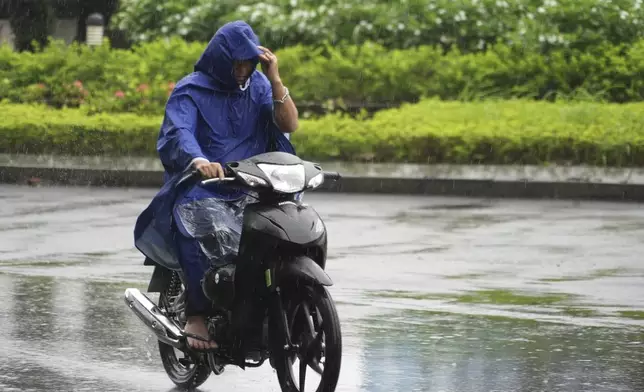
{"x":286,"y":179}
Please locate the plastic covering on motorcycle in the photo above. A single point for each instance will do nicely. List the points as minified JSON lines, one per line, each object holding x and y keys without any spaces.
{"x":216,"y":223}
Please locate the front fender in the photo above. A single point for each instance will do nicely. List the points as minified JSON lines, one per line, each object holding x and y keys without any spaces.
{"x":302,"y":268}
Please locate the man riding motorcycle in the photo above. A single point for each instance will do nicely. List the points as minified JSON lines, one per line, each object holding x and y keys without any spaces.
{"x":223,"y":111}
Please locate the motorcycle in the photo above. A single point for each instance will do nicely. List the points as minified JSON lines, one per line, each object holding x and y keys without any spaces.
{"x":272,"y":302}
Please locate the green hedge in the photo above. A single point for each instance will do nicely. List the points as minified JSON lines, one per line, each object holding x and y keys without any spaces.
{"x":469,"y":25}
{"x":502,"y":132}
{"x":139,"y":80}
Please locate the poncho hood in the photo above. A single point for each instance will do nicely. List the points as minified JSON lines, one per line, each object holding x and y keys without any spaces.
{"x":233,"y":41}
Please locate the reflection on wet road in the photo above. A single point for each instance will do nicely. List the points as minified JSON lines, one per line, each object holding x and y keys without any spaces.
{"x":434,"y":294}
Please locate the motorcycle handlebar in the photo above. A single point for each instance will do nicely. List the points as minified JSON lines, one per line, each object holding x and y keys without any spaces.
{"x":333,"y":176}
{"x":193,"y":175}
{"x":214,"y":180}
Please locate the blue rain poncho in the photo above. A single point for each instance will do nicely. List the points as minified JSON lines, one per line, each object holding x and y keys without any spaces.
{"x":208,"y":115}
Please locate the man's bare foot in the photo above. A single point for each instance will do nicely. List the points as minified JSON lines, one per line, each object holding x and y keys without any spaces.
{"x":197,"y":325}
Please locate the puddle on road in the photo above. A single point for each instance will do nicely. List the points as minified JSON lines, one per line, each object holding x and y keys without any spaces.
{"x":397,"y":350}
{"x":596,"y":274}
{"x":62,"y":259}
{"x":391,"y":248}
{"x":625,"y":227}
{"x":632,"y":314}
{"x":39,"y":263}
{"x":507,"y":297}
{"x":425,"y":351}
{"x":453,"y":221}
{"x":23,"y":226}
{"x":521,"y":303}
{"x":497,"y":297}
{"x":466,"y":276}
{"x":66,"y":207}
{"x":457,"y":206}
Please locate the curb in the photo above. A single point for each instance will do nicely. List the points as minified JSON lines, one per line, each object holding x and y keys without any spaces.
{"x":348,"y":184}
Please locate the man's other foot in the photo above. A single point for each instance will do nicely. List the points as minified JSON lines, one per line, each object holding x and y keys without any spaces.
{"x":196,"y":325}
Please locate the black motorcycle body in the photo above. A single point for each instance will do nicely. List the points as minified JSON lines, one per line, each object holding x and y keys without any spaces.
{"x":268,"y":303}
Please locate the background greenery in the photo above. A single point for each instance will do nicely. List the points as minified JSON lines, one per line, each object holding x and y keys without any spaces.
{"x":139,"y":80}
{"x":456,"y":66}
{"x":468,"y":24}
{"x":432,"y":131}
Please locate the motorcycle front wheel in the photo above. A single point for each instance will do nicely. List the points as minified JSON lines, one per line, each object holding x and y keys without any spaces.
{"x":183,"y":370}
{"x":314,"y":326}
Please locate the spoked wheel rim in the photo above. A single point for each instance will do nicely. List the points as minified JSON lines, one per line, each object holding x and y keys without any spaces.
{"x":307,"y":331}
{"x":314,"y":328}
{"x":179,"y":365}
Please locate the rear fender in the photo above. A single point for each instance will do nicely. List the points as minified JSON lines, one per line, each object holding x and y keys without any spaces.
{"x":160,"y":279}
{"x":302,"y":268}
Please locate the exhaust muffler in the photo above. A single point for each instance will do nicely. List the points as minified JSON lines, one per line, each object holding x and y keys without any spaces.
{"x":165,"y":330}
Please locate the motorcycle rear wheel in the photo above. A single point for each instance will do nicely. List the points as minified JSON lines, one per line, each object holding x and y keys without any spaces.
{"x":308,"y":327}
{"x":184,"y":372}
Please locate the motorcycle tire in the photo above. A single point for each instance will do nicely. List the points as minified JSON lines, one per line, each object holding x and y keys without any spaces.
{"x":186,"y":373}
{"x":322,"y":301}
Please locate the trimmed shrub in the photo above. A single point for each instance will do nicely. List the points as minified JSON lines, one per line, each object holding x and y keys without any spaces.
{"x":139,"y":80}
{"x":432,"y":131}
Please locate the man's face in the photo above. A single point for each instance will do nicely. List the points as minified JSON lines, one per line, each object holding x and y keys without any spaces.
{"x":242,"y":71}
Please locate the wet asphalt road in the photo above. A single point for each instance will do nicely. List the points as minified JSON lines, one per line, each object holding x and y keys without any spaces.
{"x":434,"y":294}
